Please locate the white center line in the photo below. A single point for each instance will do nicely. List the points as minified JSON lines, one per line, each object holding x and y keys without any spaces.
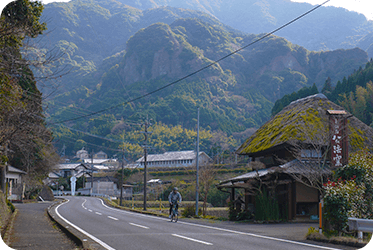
{"x":133,"y":224}
{"x":98,"y":213}
{"x":187,"y":238}
{"x":112,"y":218}
{"x":89,"y":210}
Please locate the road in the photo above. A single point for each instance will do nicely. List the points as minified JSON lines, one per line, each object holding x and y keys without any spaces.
{"x":118,"y":229}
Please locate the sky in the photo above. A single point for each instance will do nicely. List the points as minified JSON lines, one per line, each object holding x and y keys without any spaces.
{"x":352,"y":5}
{"x":361,"y":6}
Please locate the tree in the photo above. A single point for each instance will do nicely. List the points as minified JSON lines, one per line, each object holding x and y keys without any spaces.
{"x":328,"y":88}
{"x":207,"y":175}
{"x":25,"y":141}
{"x":349,"y":193}
{"x":311,"y":151}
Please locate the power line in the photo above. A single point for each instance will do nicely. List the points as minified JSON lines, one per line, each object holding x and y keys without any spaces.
{"x":92,"y":144}
{"x":196,"y":72}
{"x":97,"y":136}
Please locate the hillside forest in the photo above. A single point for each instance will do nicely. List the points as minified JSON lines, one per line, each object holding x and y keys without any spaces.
{"x":119,"y":65}
{"x":235,"y":96}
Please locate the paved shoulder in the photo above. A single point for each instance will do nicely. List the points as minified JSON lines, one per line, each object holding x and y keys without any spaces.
{"x":34,"y":230}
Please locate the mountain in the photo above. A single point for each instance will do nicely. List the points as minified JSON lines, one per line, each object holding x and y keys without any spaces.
{"x":354,"y":93}
{"x":234,"y":94}
{"x":327,"y":28}
{"x":157,"y":47}
{"x":88,"y":31}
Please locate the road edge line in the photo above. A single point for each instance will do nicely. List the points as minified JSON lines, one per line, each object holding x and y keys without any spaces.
{"x":87,"y":240}
{"x":230,"y":231}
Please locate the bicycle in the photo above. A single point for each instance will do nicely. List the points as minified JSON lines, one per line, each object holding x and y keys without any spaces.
{"x":174,"y":213}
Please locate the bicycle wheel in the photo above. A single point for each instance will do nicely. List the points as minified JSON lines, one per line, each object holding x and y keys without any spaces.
{"x":176,"y":217}
{"x":172,"y":217}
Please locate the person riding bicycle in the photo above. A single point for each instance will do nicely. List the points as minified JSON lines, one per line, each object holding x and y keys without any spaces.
{"x":174,"y":197}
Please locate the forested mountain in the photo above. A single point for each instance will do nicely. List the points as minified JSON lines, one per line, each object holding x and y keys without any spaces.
{"x":354,"y":93}
{"x":233,"y":95}
{"x":88,"y":31}
{"x":328,"y":28}
{"x":122,"y":50}
{"x":25,"y":141}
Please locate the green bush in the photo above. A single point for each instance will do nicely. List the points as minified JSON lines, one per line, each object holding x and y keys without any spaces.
{"x":266,"y":207}
{"x":190,"y":211}
{"x":10,"y":205}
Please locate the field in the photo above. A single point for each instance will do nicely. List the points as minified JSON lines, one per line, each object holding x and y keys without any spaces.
{"x":162,"y":207}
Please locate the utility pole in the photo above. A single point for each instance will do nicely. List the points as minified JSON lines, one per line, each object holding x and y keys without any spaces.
{"x":197,"y":165}
{"x":92,"y":173}
{"x":121,"y":181}
{"x":145,"y":146}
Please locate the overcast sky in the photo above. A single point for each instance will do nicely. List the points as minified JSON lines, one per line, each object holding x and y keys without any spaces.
{"x":353,"y":5}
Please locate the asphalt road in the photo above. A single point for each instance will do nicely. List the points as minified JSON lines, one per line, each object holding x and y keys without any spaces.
{"x":118,"y":229}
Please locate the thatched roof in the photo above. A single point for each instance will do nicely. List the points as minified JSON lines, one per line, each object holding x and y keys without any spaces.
{"x":304,"y":121}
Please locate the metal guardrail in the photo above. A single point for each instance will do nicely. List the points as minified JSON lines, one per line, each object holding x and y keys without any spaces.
{"x":360,"y":225}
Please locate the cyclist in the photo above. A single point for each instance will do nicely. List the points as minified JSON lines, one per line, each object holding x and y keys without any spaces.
{"x":173,"y":197}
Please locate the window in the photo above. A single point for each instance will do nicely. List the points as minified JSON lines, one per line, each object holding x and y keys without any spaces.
{"x":311,"y":153}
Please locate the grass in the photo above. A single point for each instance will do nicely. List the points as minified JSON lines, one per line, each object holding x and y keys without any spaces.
{"x":153,"y":208}
{"x":341,"y":240}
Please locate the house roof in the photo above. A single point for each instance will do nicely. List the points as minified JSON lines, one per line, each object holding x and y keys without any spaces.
{"x":98,"y":161}
{"x":292,"y":167}
{"x":12,"y":169}
{"x":103,"y":179}
{"x":309,"y":114}
{"x":172,"y":156}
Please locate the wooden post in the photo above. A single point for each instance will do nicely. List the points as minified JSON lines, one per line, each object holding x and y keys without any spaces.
{"x":320,"y":218}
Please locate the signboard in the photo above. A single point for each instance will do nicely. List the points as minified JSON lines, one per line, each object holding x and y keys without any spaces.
{"x":338,"y":135}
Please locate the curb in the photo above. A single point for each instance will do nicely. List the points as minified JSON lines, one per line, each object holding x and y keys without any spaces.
{"x":335,"y":241}
{"x":79,"y":238}
{"x":9,"y":228}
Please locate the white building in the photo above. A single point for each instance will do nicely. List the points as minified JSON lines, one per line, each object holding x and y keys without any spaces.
{"x":100,"y":155}
{"x":82,"y":154}
{"x":174,"y":159}
{"x":14,"y":181}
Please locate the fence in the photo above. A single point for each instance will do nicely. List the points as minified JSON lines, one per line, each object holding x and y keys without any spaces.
{"x":360,"y":225}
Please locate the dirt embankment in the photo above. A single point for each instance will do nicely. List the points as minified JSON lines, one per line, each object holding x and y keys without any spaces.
{"x":5,"y":213}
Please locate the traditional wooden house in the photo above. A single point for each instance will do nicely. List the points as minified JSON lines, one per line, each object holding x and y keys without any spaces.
{"x":293,"y":154}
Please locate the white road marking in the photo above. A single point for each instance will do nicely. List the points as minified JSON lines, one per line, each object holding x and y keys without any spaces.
{"x":98,"y":213}
{"x":220,"y":229}
{"x":106,"y":246}
{"x":113,"y":218}
{"x":89,"y":210}
{"x":137,"y":225}
{"x":85,"y":200}
{"x":187,"y":238}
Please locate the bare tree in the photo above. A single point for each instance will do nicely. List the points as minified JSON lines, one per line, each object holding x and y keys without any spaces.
{"x":207,"y":175}
{"x":311,"y":152}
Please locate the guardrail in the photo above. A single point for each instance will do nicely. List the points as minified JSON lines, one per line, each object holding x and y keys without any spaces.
{"x":360,"y":225}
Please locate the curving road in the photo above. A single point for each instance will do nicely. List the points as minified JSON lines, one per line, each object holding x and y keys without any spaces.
{"x":118,"y":229}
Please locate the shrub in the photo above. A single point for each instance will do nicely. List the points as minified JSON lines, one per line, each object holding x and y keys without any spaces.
{"x":266,"y":207}
{"x":350,"y":195}
{"x":190,"y":211}
{"x":335,"y":209}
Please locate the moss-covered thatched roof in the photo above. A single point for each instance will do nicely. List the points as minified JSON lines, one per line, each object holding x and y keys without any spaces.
{"x":305,"y":120}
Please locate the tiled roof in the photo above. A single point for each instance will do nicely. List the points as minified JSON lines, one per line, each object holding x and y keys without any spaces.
{"x":171,"y":156}
{"x":15,"y":170}
{"x":292,"y":167}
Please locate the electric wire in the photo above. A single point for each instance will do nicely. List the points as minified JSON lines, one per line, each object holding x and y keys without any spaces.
{"x":195,"y":72}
